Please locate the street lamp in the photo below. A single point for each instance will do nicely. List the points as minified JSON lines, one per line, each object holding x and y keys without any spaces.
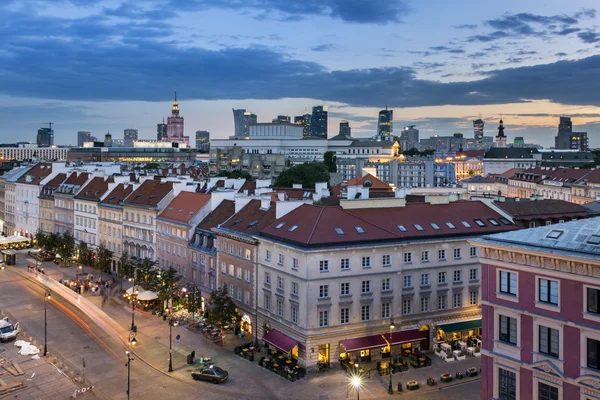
{"x":134,"y":293}
{"x":128,"y":365}
{"x":132,"y":340}
{"x":390,"y":388}
{"x":171,"y":342}
{"x":357,"y":382}
{"x":47,"y":296}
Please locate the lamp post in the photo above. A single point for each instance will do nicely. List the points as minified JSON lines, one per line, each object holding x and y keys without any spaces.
{"x":132,"y":340}
{"x":47,"y":296}
{"x":171,"y":342}
{"x":128,"y":365}
{"x":133,"y":296}
{"x":356,"y":382}
{"x":390,"y":388}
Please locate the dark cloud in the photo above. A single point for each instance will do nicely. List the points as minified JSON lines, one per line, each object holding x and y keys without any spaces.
{"x":354,"y":11}
{"x":589,"y":36}
{"x":561,"y":54}
{"x":324,"y":47}
{"x":526,"y":52}
{"x":581,"y":115}
{"x":428,"y":65}
{"x":465,"y":26}
{"x":350,"y":116}
{"x":490,"y":37}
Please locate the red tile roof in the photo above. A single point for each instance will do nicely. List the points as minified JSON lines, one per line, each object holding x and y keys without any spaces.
{"x":311,"y":225}
{"x":54,"y":182}
{"x":592,"y":176}
{"x":251,"y":218}
{"x":376,"y":183}
{"x":149,"y":193}
{"x":118,"y":194}
{"x":541,"y":208}
{"x":184,"y":207}
{"x":77,"y":178}
{"x":95,"y":189}
{"x":36,"y":174}
{"x":219,"y":215}
{"x":249,"y":186}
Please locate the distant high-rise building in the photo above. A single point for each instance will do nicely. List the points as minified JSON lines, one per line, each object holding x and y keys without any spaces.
{"x":130,"y":136}
{"x":345,"y":128}
{"x":82,"y":137}
{"x":242,"y":119}
{"x":304,"y":120}
{"x":161,"y":131}
{"x":45,"y":137}
{"x":478,"y":125}
{"x":318,"y":122}
{"x":281,"y":119}
{"x":175,"y":125}
{"x":567,"y":139}
{"x":519,"y":141}
{"x":500,"y":137}
{"x":385,"y":122}
{"x":108,"y":140}
{"x":202,"y":140}
{"x":409,"y":138}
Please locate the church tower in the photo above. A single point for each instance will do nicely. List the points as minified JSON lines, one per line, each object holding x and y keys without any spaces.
{"x":500,"y":138}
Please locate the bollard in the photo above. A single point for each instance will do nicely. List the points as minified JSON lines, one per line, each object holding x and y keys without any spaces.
{"x":399,"y":386}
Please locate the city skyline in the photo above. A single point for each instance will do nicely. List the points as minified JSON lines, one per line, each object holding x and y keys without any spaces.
{"x":515,"y":60}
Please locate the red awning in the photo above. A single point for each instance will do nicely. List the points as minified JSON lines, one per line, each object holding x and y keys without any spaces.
{"x":400,"y":337}
{"x":280,"y":341}
{"x":363,"y":343}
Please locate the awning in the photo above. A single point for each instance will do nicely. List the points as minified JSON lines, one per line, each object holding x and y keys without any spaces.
{"x":363,"y":343}
{"x":405,"y":336}
{"x":280,"y":341}
{"x":461,"y":326}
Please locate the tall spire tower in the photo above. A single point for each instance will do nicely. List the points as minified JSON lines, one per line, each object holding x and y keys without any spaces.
{"x":500,"y":138}
{"x":175,"y":109}
{"x":175,"y":125}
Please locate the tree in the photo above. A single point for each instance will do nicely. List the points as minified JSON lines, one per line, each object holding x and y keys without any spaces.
{"x":85,"y":256}
{"x":330,"y":160}
{"x":51,"y":241}
{"x":223,"y":312}
{"x":306,"y":174}
{"x":66,"y":247}
{"x":126,"y":268}
{"x":103,"y":259}
{"x":41,"y":238}
{"x":235,"y":175}
{"x":193,"y":301}
{"x":147,"y":275}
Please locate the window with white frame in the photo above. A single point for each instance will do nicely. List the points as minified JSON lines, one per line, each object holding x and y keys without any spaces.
{"x":267,"y":301}
{"x":442,"y":278}
{"x":223,"y":268}
{"x":457,"y":300}
{"x":441,"y":302}
{"x":386,"y":284}
{"x":294,"y":313}
{"x":593,"y":353}
{"x":385,"y":310}
{"x":547,"y":392}
{"x":457,"y":275}
{"x":407,"y":281}
{"x":548,"y":291}
{"x":324,"y":266}
{"x":425,"y":304}
{"x":267,"y":255}
{"x":549,"y":341}
{"x":280,"y":307}
{"x":386,"y":260}
{"x":295,"y":288}
{"x":366,"y":262}
{"x":424,"y":279}
{"x":508,"y":283}
{"x":295,"y":264}
{"x":407,"y":257}
{"x":239,"y":251}
{"x":324,"y":318}
{"x":231,"y":249}
{"x":473,"y":252}
{"x":406,"y":306}
{"x":267,"y":278}
{"x":425,"y":256}
{"x":593,"y":300}
{"x":508,"y":329}
{"x":239,"y":294}
{"x":366,"y":287}
{"x":280,"y":259}
{"x":441,"y":254}
{"x":473,"y":274}
{"x":344,"y":315}
{"x":279,"y":283}
{"x":239,"y":273}
{"x":457,"y":253}
{"x":473,"y":297}
{"x":365,"y":312}
{"x":345,"y":264}
{"x":507,"y":385}
{"x":323,"y":291}
{"x":247,"y":254}
{"x":231,"y":269}
{"x":345,"y":289}
{"x":231,"y":291}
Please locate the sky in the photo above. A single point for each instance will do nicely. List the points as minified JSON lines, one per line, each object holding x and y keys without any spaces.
{"x":108,"y":65}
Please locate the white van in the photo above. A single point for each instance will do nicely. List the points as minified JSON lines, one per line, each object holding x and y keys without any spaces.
{"x":7,"y":330}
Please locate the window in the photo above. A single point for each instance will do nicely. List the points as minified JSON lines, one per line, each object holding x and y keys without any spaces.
{"x":267,"y":301}
{"x":441,"y":302}
{"x":231,"y":249}
{"x":239,"y":273}
{"x":450,"y":225}
{"x":507,"y":385}
{"x":457,"y":276}
{"x":386,"y":284}
{"x":508,"y":283}
{"x":424,"y":304}
{"x":231,"y":270}
{"x":294,"y":312}
{"x":280,"y":259}
{"x":324,"y":266}
{"x":231,"y":290}
{"x":366,"y":262}
{"x":401,"y":228}
{"x":280,"y":307}
{"x":323,"y":291}
{"x":457,"y":300}
{"x":239,"y":294}
{"x":548,"y":291}
{"x":295,"y":288}
{"x":508,"y":330}
{"x":224,"y":268}
{"x":407,"y":281}
{"x":593,"y":353}
{"x":386,"y":260}
{"x":532,"y":224}
{"x":344,"y":315}
{"x":359,"y":229}
{"x":345,"y":264}
{"x":407,"y":257}
{"x":418,"y":227}
{"x":473,"y":251}
{"x":473,"y":297}
{"x":239,"y":251}
{"x":323,"y":318}
{"x":434,"y":226}
{"x":406,"y":306}
{"x":366,"y":287}
{"x":365,"y":313}
{"x":279,"y":283}
{"x":248,"y":254}
{"x":339,"y":231}
{"x":466,"y":224}
{"x":295,"y":264}
{"x":547,"y":392}
{"x":424,"y":279}
{"x":549,"y":342}
{"x":456,"y":253}
{"x":247,"y":275}
{"x":267,"y":255}
{"x":473,"y":274}
{"x":441,"y":254}
{"x":479,"y":222}
{"x":425,"y":256}
{"x":345,"y":289}
{"x":441,"y":278}
{"x":267,"y":278}
{"x":593,"y":300}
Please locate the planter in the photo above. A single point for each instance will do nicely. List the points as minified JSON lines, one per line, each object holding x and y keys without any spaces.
{"x":430,"y":382}
{"x":472,"y":371}
{"x":459,"y":375}
{"x":449,"y":359}
{"x":477,"y":354}
{"x":446,"y":378}
{"x":459,"y":358}
{"x":412,"y":385}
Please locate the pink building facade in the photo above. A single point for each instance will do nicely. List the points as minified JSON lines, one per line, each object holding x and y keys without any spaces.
{"x":541,"y":313}
{"x":175,"y":125}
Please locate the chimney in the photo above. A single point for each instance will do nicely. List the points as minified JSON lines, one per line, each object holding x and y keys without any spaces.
{"x":297,"y":186}
{"x":265,"y":202}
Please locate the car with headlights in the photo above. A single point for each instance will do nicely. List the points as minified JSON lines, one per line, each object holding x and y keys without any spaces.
{"x":8,"y":331}
{"x":212,"y":374}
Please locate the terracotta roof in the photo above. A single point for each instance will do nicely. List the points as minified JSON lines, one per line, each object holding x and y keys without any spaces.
{"x":547,"y":207}
{"x":478,"y":179}
{"x":150,"y":193}
{"x":310,"y":225}
{"x":118,"y":194}
{"x":77,"y":178}
{"x":95,"y":189}
{"x":184,"y":207}
{"x":592,"y":176}
{"x":511,"y":172}
{"x":295,"y":193}
{"x":251,"y":218}
{"x":250,"y":186}
{"x":36,"y":174}
{"x":219,"y":215}
{"x":54,"y":182}
{"x":376,"y":183}
{"x":567,"y":175}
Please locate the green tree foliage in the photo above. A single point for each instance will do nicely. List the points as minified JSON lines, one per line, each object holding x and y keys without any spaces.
{"x":236,"y":175}
{"x":193,"y":301}
{"x":103,"y":259}
{"x":223,"y":312}
{"x":167,"y":284}
{"x":41,"y":238}
{"x":85,"y":255}
{"x":307,"y":174}
{"x":414,"y":152}
{"x":147,"y":275}
{"x":329,"y":160}
{"x":126,"y":266}
{"x":66,"y":247}
{"x":51,"y":241}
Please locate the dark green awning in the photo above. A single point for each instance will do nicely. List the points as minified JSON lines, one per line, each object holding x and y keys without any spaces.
{"x":461,"y":326}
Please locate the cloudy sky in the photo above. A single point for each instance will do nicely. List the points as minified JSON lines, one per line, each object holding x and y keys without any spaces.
{"x":104,"y":65}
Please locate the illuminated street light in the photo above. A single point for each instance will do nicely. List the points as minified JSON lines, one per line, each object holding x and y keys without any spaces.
{"x":47,"y":296}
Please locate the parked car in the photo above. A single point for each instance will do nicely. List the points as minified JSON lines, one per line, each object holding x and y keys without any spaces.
{"x":212,"y":374}
{"x":7,"y":330}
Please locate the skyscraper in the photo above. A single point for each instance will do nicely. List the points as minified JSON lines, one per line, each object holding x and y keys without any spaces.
{"x":304,"y":120}
{"x":242,"y":119}
{"x":345,"y":128}
{"x":385,"y":122}
{"x":175,"y":125}
{"x":281,"y":119}
{"x":409,"y":138}
{"x":567,"y":139}
{"x":318,"y":122}
{"x":478,"y":125}
{"x":82,"y":137}
{"x":202,"y":140}
{"x":108,"y":140}
{"x":130,"y":136}
{"x":45,"y":137}
{"x":565,"y":125}
{"x":161,"y":131}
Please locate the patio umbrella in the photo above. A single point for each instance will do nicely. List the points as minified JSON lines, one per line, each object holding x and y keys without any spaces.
{"x":147,"y":295}
{"x":134,"y":288}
